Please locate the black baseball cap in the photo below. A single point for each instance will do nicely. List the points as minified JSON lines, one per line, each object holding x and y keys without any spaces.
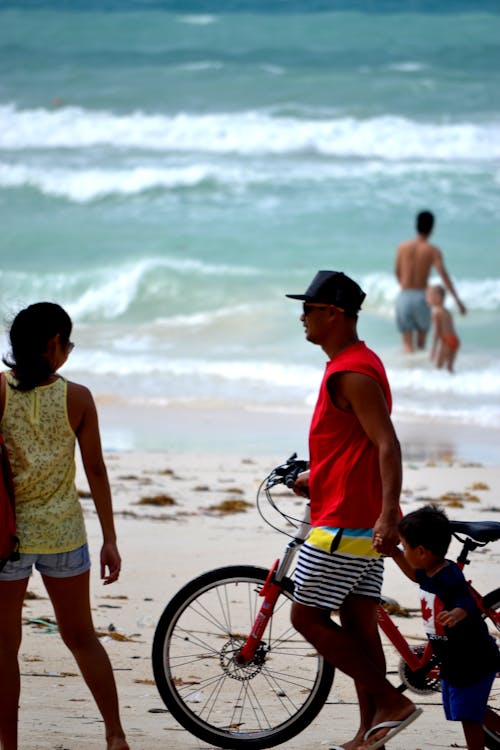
{"x":333,"y":288}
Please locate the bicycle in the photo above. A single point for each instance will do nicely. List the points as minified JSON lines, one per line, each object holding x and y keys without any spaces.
{"x":233,"y":671}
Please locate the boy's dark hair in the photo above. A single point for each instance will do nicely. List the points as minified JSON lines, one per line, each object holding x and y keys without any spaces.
{"x":429,"y":527}
{"x":425,"y":222}
{"x":29,"y":335}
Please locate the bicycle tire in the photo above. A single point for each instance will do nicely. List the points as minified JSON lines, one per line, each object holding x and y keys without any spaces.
{"x":492,"y":735}
{"x":259,"y":705}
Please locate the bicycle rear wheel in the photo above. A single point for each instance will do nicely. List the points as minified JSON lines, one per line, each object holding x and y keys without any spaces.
{"x":257,"y":705}
{"x":492,"y":721}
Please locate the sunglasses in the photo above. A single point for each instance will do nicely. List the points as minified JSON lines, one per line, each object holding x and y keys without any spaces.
{"x":308,"y":307}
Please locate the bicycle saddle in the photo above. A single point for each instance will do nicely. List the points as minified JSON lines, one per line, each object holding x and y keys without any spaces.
{"x":480,"y":531}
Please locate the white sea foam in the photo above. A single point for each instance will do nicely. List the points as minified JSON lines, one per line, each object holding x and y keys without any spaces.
{"x":83,"y":184}
{"x":435,"y":382}
{"x":197,"y":19}
{"x":111,"y":291}
{"x":201,"y":65}
{"x":274,"y":375}
{"x":408,"y":67}
{"x":471,"y":397}
{"x":481,"y":415}
{"x":387,"y":137}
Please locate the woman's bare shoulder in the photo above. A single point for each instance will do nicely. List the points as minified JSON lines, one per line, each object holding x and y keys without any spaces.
{"x":79,"y":394}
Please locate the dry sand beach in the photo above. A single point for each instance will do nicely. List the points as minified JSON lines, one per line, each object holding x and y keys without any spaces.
{"x":163,"y":546}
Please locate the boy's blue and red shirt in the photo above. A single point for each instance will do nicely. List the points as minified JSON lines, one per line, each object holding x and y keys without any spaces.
{"x":467,"y":652}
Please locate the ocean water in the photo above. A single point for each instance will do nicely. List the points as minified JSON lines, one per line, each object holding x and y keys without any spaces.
{"x":169,"y":171}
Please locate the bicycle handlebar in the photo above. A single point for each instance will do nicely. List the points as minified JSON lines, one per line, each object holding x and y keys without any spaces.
{"x":288,"y":472}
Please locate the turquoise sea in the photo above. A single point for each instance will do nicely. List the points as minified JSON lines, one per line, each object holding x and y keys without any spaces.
{"x":168,"y":171}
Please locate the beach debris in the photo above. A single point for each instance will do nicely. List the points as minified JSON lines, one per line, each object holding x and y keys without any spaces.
{"x":110,"y":606}
{"x":45,"y":623}
{"x":114,"y":635}
{"x":394,"y":608}
{"x":235,"y":490}
{"x":196,"y":697}
{"x":479,"y":486}
{"x":201,"y":488}
{"x":451,"y":499}
{"x":447,"y":458}
{"x":230,"y":506}
{"x":114,"y":596}
{"x":144,"y":681}
{"x":178,"y":681}
{"x":151,"y":516}
{"x":157,"y":711}
{"x":158,"y":500}
{"x":457,"y":499}
{"x":84,"y":494}
{"x":32,"y":595}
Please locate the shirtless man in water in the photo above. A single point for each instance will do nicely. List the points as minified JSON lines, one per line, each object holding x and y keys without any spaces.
{"x":414,"y":261}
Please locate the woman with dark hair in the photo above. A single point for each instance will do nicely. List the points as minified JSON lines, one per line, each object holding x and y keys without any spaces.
{"x":42,"y":416}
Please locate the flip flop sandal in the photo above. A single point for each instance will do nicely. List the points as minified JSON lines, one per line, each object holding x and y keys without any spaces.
{"x":394,"y":727}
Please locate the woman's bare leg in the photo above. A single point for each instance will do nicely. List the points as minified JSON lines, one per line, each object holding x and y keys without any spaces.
{"x":12,"y":597}
{"x":71,"y":601}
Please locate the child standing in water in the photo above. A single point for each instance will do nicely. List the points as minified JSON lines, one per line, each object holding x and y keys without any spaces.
{"x":42,"y":416}
{"x":445,"y":343}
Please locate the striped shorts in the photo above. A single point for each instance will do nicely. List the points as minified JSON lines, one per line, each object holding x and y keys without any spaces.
{"x":334,"y":563}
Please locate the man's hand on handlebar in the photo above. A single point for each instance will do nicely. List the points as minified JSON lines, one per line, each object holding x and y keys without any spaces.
{"x":301,"y":484}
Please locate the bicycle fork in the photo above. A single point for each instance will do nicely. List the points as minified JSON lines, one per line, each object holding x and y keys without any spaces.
{"x":271,"y":590}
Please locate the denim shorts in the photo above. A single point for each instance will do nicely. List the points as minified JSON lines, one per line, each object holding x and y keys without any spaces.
{"x":466,"y":703}
{"x":53,"y":565}
{"x":412,"y":311}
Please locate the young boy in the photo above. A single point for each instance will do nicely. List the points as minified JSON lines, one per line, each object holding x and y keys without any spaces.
{"x":445,"y":342}
{"x":468,"y":655}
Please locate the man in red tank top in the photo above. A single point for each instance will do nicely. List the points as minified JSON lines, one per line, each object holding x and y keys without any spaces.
{"x":354,"y":484}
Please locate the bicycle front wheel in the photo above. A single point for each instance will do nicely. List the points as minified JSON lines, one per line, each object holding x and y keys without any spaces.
{"x":492,"y":720}
{"x":256,"y":705}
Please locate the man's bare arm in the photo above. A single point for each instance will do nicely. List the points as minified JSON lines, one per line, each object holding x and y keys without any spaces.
{"x":364,"y":397}
{"x":438,"y":263}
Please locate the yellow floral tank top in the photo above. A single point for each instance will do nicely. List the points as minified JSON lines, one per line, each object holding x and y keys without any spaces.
{"x":41,"y":447}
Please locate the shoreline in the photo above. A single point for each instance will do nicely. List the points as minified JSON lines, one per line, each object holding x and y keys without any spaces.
{"x":258,"y":431}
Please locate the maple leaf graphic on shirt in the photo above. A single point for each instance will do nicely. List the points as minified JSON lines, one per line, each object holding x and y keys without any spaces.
{"x":426,"y":610}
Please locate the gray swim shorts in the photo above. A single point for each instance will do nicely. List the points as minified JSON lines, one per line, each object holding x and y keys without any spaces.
{"x":412,"y":311}
{"x":53,"y":565}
